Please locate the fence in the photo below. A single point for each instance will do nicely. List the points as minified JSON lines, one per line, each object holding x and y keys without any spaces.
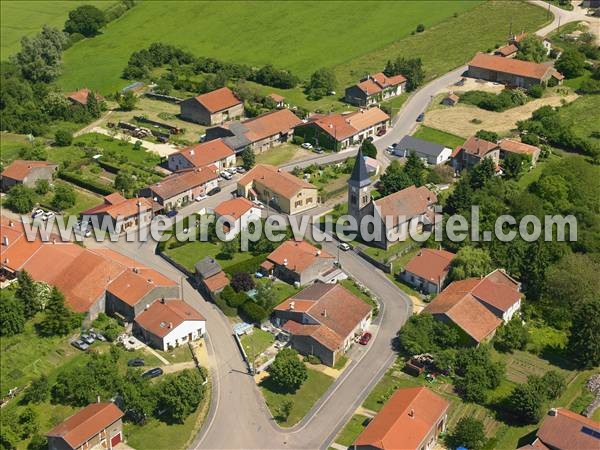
{"x":165,"y":98}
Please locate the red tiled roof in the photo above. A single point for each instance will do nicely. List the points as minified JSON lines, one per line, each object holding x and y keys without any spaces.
{"x":218,"y":100}
{"x":134,"y":283}
{"x":125,"y":208}
{"x":81,"y":96}
{"x":509,"y":145}
{"x":405,"y":420}
{"x":86,"y":423}
{"x":517,"y":67}
{"x":409,"y":202}
{"x":569,"y":431}
{"x":234,"y":208}
{"x":207,"y":153}
{"x":343,"y":126}
{"x":297,"y":255}
{"x":216,"y":282}
{"x":430,"y":264}
{"x":183,"y":181}
{"x":19,"y":169}
{"x":270,"y":124}
{"x":162,"y":318}
{"x":507,"y":50}
{"x":376,"y":83}
{"x":478,"y":147}
{"x":278,"y":181}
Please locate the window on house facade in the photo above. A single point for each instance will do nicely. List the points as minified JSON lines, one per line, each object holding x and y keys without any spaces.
{"x":298,"y":203}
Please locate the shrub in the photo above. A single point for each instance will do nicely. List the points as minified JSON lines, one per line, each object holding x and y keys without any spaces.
{"x":93,"y":186}
{"x":531,"y":139}
{"x":312,"y":359}
{"x":420,"y":28}
{"x":298,"y":140}
{"x":253,"y":312}
{"x":223,"y":306}
{"x":535,"y":91}
{"x":287,"y":371}
{"x":242,"y":282}
{"x":63,"y":138}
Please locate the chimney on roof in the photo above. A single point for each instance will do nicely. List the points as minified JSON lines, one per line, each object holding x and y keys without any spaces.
{"x":170,"y":325}
{"x":411,"y":413}
{"x":285,"y":261}
{"x":324,"y":313}
{"x":11,"y":223}
{"x":292,"y":305}
{"x":318,"y":252}
{"x":146,"y":307}
{"x":192,"y":152}
{"x":162,"y":300}
{"x":135,"y":270}
{"x":5,"y":240}
{"x":553,"y":412}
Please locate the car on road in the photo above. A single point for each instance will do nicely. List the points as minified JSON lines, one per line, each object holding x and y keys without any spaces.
{"x":391,"y":148}
{"x":171,"y":213}
{"x":37,"y":213}
{"x":79,"y":344}
{"x":307,"y":146}
{"x":136,"y":362}
{"x":460,"y":82}
{"x":344,"y":246}
{"x":201,"y":197}
{"x":153,"y":373}
{"x":87,"y":338}
{"x":421,"y":117}
{"x":365,"y":338}
{"x":318,"y":150}
{"x":214,"y":191}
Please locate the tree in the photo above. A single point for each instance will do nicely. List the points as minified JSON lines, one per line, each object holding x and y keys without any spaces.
{"x":526,"y":402}
{"x":468,"y":433}
{"x":125,"y":181}
{"x":64,"y":197}
{"x":490,"y":136}
{"x":37,"y":391}
{"x":470,"y":262}
{"x":253,"y":312}
{"x":86,"y":20}
{"x":461,"y":197}
{"x":410,"y":68}
{"x":415,"y":169}
{"x":39,"y":59}
{"x":59,"y":320}
{"x":12,"y":319}
{"x":287,"y":371}
{"x":513,"y":165}
{"x":584,"y":340}
{"x":28,"y":422}
{"x":229,"y":248}
{"x":422,"y":333}
{"x":93,"y":106}
{"x":180,"y":394}
{"x":420,"y":28}
{"x":20,"y":199}
{"x":266,"y":296}
{"x":571,"y":63}
{"x":285,"y":409}
{"x":37,"y":442}
{"x":482,"y":173}
{"x":63,"y":138}
{"x":242,"y":282}
{"x":127,"y":101}
{"x":248,"y":158}
{"x":42,"y":186}
{"x":394,"y":179}
{"x":474,"y":385}
{"x":27,"y":293}
{"x":368,"y":149}
{"x":553,"y":384}
{"x":321,"y":83}
{"x":531,"y":48}
{"x":512,"y":336}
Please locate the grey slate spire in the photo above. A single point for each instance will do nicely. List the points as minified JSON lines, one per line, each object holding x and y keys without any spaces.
{"x":360,"y":174}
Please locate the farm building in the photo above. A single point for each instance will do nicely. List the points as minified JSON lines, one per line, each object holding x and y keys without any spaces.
{"x":511,"y":146}
{"x":200,"y":155}
{"x":430,"y":151}
{"x":374,"y":89}
{"x":80,"y":97}
{"x":473,"y":151}
{"x":212,"y":108}
{"x":27,"y":173}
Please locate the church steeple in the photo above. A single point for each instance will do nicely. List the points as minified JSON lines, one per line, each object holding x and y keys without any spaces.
{"x":360,"y":174}
{"x":359,"y":188}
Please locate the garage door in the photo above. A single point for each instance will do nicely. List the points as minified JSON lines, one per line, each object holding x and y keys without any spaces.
{"x":115,"y":440}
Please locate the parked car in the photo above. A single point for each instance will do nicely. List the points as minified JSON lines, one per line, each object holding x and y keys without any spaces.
{"x":97,"y":335}
{"x":37,"y":213}
{"x":318,"y":150}
{"x":135,"y":362}
{"x":421,"y":117}
{"x":240,"y":169}
{"x":171,"y":213}
{"x":79,"y":344}
{"x":225,"y":175}
{"x":365,"y":338}
{"x":153,"y":373}
{"x":87,"y":338}
{"x":381,"y":132}
{"x":344,"y":246}
{"x":201,"y":197}
{"x":48,"y":215}
{"x":231,"y":171}
{"x":307,"y":146}
{"x":214,"y":191}
{"x":460,"y":82}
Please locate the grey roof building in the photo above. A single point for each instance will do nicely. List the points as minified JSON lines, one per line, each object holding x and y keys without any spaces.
{"x":207,"y":267}
{"x":434,"y":153}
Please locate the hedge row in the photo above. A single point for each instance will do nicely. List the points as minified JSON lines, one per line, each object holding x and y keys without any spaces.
{"x":93,"y":186}
{"x":250,"y":266}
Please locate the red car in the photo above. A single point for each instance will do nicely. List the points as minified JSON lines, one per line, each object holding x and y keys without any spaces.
{"x":365,"y":338}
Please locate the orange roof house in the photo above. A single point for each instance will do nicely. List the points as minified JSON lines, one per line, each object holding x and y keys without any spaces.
{"x":512,"y":146}
{"x":218,"y":100}
{"x":411,"y":419}
{"x":200,"y":155}
{"x":478,"y":306}
{"x":123,"y":213}
{"x":374,"y":89}
{"x":213,"y":107}
{"x":473,"y":151}
{"x":323,"y":319}
{"x":27,"y":173}
{"x":278,"y":99}
{"x":80,"y":97}
{"x":510,"y":71}
{"x":428,"y":270}
{"x":93,"y":425}
{"x":183,"y":186}
{"x":297,"y":262}
{"x":211,"y":278}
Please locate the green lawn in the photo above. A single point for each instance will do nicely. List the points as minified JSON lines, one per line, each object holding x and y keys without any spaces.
{"x":350,"y":432}
{"x":121,"y":149}
{"x":303,"y":399}
{"x":395,"y":104}
{"x":26,"y":18}
{"x":84,"y":200}
{"x":10,"y":146}
{"x":393,"y":250}
{"x":189,"y":254}
{"x":257,"y":342}
{"x":582,"y":116}
{"x":282,"y":290}
{"x":282,"y":154}
{"x":300,"y":36}
{"x":177,"y":355}
{"x":438,"y":136}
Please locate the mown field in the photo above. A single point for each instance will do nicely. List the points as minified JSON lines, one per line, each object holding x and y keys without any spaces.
{"x":299,"y":36}
{"x":26,"y":18}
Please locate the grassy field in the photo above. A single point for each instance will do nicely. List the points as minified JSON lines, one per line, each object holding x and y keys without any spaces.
{"x":285,"y":153}
{"x":26,"y":18}
{"x":84,"y":200}
{"x":303,"y":399}
{"x":582,"y":116}
{"x":299,"y":36}
{"x":438,"y":136}
{"x":192,"y":252}
{"x":257,"y":342}
{"x":350,"y":432}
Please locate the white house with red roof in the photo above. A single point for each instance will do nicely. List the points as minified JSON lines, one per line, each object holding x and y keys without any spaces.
{"x":374,"y":89}
{"x":200,"y":155}
{"x":427,"y":271}
{"x":123,"y":213}
{"x":168,"y":324}
{"x":212,"y":108}
{"x":236,"y":214}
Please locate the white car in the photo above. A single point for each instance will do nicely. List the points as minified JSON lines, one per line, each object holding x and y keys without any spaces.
{"x":37,"y":213}
{"x":225,"y":175}
{"x":231,"y":170}
{"x":258,"y":203}
{"x":240,"y":169}
{"x":201,"y":197}
{"x":49,"y":215}
{"x":307,"y":145}
{"x":345,"y":247}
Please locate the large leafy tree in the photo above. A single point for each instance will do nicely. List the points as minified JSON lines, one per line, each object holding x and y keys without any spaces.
{"x":368,"y":149}
{"x":468,"y":433}
{"x":287,"y":371}
{"x":410,"y":68}
{"x":512,"y":336}
{"x":180,"y":395}
{"x":12,"y":319}
{"x":470,"y":262}
{"x":584,"y":341}
{"x":27,"y":293}
{"x":64,"y":197}
{"x":321,"y":83}
{"x":40,"y":57}
{"x":570,"y":63}
{"x":248,"y":158}
{"x":394,"y":179}
{"x":59,"y":319}
{"x":86,"y":20}
{"x":21,"y":199}
{"x":531,"y":48}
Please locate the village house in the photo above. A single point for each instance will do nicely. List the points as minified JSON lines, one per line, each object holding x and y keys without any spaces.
{"x":431,"y":152}
{"x":237,"y":213}
{"x":167,"y":324}
{"x":451,"y":99}
{"x":92,"y":280}
{"x":209,"y":277}
{"x":121,"y":213}
{"x":412,"y":419}
{"x":259,"y":133}
{"x":278,"y":189}
{"x":182,"y":187}
{"x":278,"y":99}
{"x":201,"y":155}
{"x":478,"y":306}
{"x":427,"y":271}
{"x":512,"y":72}
{"x":472,"y":153}
{"x":80,"y":97}
{"x":375,"y":89}
{"x":562,"y":429}
{"x":212,"y":108}
{"x":27,"y":173}
{"x":323,"y":320}
{"x":507,"y":51}
{"x":339,"y":131}
{"x":511,"y":146}
{"x":297,"y":262}
{"x":98,"y":425}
